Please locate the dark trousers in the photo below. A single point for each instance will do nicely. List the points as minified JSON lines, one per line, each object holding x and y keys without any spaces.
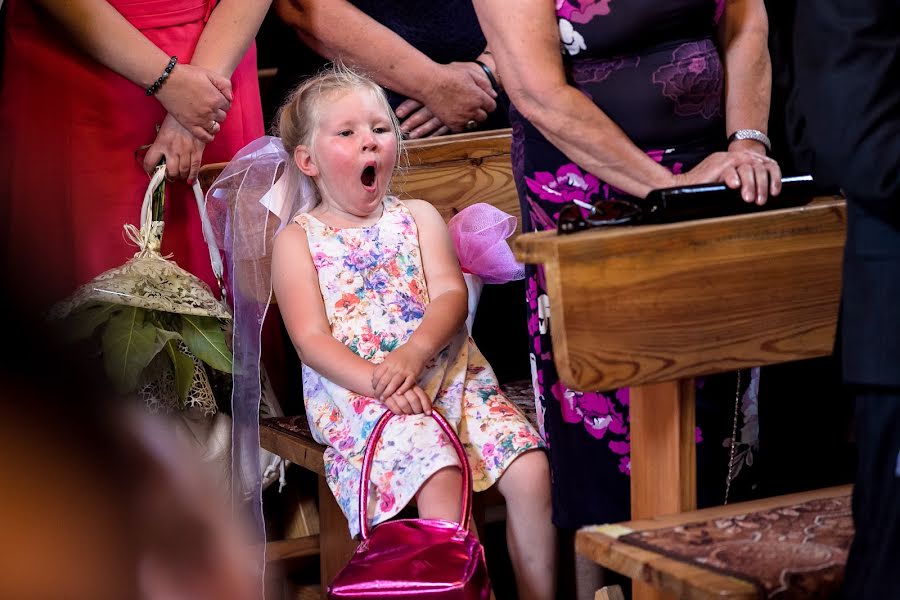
{"x":873,"y":567}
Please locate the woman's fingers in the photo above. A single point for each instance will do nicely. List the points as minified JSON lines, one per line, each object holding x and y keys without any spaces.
{"x":774,"y":177}
{"x":202,"y":134}
{"x":196,"y":158}
{"x":184,"y":165}
{"x":416,"y":119}
{"x":152,"y":157}
{"x":748,"y":182}
{"x":426,"y":128}
{"x":762,"y":183}
{"x":407,"y":107}
{"x":223,"y":84}
{"x":731,"y":178}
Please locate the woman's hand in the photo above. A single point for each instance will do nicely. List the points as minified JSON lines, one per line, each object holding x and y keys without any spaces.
{"x":399,"y":372}
{"x":755,"y":174}
{"x":183,"y":151}
{"x":418,"y":121}
{"x":198,"y":99}
{"x":459,"y":93}
{"x":414,"y":401}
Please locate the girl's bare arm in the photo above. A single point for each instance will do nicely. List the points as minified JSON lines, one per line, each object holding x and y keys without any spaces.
{"x":296,"y":285}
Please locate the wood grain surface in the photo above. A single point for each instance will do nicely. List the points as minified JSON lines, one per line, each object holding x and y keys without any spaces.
{"x":455,"y":171}
{"x":634,"y":305}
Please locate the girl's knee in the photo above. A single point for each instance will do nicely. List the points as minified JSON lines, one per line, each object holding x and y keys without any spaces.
{"x":528,"y":474}
{"x":441,"y":495}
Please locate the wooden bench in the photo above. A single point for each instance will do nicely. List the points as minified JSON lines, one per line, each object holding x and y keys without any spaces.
{"x":451,"y":172}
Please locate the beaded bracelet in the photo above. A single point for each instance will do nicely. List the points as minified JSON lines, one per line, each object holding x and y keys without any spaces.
{"x":490,"y":75}
{"x":162,"y":78}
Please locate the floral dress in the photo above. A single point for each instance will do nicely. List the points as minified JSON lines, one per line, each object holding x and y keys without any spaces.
{"x":654,"y":68}
{"x":373,"y":287}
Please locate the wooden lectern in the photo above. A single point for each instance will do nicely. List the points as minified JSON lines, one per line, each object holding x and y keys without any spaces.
{"x":652,"y":307}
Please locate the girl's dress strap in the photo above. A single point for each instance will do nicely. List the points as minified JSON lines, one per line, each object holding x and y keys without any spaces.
{"x":304,"y":221}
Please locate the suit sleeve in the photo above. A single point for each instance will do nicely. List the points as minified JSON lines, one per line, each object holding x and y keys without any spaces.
{"x":848,"y":73}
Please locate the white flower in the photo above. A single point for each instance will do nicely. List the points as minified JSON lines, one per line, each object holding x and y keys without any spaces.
{"x":570,"y":38}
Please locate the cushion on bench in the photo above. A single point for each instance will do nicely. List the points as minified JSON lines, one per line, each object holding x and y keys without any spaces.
{"x":788,"y":552}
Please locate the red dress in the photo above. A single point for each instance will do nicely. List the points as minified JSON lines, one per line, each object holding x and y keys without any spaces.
{"x":69,"y":179}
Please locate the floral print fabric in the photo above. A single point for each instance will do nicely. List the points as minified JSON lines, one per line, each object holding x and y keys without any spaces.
{"x":655,"y":70}
{"x":375,"y":296}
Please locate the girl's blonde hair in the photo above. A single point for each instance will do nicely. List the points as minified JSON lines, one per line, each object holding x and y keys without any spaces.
{"x":297,"y":117}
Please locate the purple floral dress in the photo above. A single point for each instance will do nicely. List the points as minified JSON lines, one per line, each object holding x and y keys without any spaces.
{"x":375,"y":296}
{"x":654,"y":68}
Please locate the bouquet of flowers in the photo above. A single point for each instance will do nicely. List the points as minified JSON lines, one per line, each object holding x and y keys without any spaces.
{"x":160,"y":330}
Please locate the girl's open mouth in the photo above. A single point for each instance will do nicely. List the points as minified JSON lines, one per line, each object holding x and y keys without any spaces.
{"x":368,"y":176}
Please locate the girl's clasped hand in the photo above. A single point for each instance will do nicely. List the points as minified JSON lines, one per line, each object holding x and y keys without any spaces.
{"x":395,"y":381}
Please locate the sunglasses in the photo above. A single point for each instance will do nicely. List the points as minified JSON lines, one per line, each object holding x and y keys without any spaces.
{"x":581,"y":215}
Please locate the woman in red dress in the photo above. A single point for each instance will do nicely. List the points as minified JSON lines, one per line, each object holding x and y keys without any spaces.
{"x":74,"y":111}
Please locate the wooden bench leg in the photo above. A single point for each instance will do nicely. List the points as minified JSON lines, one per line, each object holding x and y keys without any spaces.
{"x":335,"y":544}
{"x":663,"y":457}
{"x":610,"y":592}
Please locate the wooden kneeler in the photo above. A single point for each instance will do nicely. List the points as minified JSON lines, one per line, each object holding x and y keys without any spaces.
{"x":654,"y":306}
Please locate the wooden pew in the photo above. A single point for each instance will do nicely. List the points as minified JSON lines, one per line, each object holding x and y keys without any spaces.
{"x":653,"y":306}
{"x":451,"y":172}
{"x":455,"y":171}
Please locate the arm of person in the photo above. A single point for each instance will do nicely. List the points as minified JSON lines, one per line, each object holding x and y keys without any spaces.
{"x":231,"y":29}
{"x":525,"y":46}
{"x":226,"y":37}
{"x":446,"y":311}
{"x":419,"y":121}
{"x":744,"y":34}
{"x":195,"y":96}
{"x":296,"y":285}
{"x":455,"y":93}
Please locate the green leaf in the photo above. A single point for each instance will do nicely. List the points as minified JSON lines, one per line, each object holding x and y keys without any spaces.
{"x":82,"y":324}
{"x":204,"y":337}
{"x":184,"y":369}
{"x":129,"y":344}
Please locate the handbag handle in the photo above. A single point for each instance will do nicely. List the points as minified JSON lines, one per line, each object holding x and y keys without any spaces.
{"x":367,"y":470}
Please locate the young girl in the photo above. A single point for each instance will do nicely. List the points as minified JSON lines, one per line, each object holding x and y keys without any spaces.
{"x":372,"y":295}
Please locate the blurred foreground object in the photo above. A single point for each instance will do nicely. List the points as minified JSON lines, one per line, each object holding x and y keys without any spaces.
{"x":100,"y":501}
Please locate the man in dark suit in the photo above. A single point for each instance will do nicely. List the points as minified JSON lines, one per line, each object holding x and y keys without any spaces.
{"x":847,"y":71}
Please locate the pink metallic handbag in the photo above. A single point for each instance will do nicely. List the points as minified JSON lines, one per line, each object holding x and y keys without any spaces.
{"x":415,"y":558}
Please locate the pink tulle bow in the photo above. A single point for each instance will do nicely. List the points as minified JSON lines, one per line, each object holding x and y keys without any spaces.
{"x":479,"y":232}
